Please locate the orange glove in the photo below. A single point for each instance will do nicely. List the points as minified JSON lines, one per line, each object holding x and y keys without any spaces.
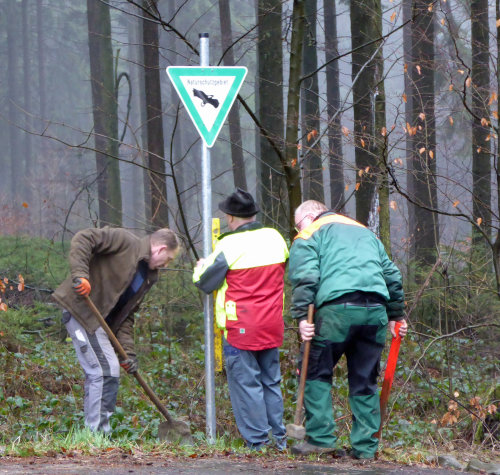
{"x":131,"y":365}
{"x":82,"y":286}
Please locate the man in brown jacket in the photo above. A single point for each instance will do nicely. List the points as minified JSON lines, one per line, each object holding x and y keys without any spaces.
{"x":116,"y":269}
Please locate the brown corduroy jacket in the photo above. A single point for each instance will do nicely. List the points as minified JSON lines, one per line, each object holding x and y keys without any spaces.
{"x":108,"y":258}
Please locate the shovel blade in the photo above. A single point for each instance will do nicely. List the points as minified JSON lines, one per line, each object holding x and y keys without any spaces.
{"x":176,"y":432}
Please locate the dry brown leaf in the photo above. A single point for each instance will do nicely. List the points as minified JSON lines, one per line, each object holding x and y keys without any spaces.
{"x":362,"y":143}
{"x":479,"y":221}
{"x":383,"y":131}
{"x":393,"y":205}
{"x":455,"y":204}
{"x":475,"y":401}
{"x":419,"y":70}
{"x":357,"y":186}
{"x":393,"y":16}
{"x":431,"y":154}
{"x":345,"y":130}
{"x":20,"y":286}
{"x":450,"y":118}
{"x":421,"y":116}
{"x":468,"y":81}
{"x":404,"y":98}
{"x":421,"y":150}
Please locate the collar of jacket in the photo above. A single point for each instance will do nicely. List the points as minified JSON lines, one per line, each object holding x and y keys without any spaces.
{"x":145,"y":249}
{"x":324,"y":213}
{"x":244,"y":227}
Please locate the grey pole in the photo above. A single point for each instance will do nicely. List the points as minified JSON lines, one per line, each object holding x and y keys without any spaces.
{"x":206,"y":185}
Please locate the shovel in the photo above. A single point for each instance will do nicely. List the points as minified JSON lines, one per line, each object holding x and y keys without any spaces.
{"x":297,"y":430}
{"x":171,"y":430}
{"x":389,"y":377}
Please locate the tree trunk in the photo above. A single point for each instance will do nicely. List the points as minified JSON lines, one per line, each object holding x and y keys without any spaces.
{"x":239,"y":175}
{"x":292,"y":117}
{"x":15,"y":152}
{"x":272,"y":193}
{"x":408,"y":90}
{"x":105,"y":113}
{"x":137,"y":121}
{"x":311,"y":161}
{"x":28,"y":163}
{"x":480,"y":90}
{"x":333,"y":106}
{"x":154,"y":115}
{"x":381,"y":213}
{"x":364,"y":67}
{"x":41,"y":61}
{"x":423,"y":142}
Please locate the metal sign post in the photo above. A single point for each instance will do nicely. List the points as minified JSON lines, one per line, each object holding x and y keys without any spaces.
{"x":208,"y":94}
{"x":206,"y":185}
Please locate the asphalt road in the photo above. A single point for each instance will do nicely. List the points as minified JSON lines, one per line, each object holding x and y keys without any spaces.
{"x":202,"y":465}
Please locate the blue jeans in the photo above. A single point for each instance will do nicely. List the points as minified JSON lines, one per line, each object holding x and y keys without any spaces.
{"x":254,"y":380}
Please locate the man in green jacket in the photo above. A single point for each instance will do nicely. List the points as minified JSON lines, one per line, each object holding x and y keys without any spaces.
{"x":342,"y":268}
{"x":116,"y":269}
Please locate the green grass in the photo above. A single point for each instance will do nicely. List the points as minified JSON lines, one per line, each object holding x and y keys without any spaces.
{"x":41,"y":262}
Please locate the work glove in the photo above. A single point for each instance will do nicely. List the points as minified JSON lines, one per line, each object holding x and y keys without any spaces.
{"x":130,"y":365}
{"x":81,"y":285}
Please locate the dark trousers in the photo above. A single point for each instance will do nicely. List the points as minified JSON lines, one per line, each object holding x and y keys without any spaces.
{"x":358,"y":332}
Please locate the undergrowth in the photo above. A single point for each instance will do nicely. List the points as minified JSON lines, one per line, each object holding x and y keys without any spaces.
{"x":443,"y":397}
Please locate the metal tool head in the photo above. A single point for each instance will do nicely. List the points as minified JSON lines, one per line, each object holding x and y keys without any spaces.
{"x":295,"y":431}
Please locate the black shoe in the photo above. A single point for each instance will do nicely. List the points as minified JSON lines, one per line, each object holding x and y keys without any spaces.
{"x":305,"y":448}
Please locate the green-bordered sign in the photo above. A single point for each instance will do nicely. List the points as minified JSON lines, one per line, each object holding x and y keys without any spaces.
{"x":207,"y":94}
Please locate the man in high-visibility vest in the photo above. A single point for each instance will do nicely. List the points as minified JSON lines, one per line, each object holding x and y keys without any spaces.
{"x":247,"y":269}
{"x":342,"y":268}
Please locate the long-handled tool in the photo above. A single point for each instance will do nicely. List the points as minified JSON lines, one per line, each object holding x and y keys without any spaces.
{"x":389,"y":376}
{"x":171,"y":430}
{"x":297,"y":430}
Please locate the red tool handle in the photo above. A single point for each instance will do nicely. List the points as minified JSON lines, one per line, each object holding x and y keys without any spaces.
{"x":389,"y":375}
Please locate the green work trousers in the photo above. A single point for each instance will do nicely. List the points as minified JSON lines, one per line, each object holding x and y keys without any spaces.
{"x":358,"y":332}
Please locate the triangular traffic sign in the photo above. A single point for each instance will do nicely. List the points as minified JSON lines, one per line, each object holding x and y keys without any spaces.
{"x":207,"y":94}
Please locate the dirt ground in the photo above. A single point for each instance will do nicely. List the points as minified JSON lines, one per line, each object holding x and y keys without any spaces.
{"x":121,"y":463}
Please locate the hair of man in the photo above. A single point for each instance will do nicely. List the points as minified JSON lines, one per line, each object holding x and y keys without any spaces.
{"x":312,"y":207}
{"x":165,"y":237}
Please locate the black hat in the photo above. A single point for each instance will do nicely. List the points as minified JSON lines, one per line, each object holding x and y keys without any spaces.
{"x":240,"y":204}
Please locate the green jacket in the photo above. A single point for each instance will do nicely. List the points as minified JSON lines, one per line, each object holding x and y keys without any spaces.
{"x":108,"y":258}
{"x":336,"y":255}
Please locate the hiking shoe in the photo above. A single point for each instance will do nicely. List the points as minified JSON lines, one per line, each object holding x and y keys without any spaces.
{"x":280,"y":443}
{"x":361,"y":458}
{"x":305,"y":448}
{"x":258,"y":446}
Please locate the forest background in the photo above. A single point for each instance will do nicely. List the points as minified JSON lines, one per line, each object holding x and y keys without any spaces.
{"x":385,"y":110}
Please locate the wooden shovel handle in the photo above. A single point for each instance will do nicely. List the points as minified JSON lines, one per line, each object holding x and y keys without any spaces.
{"x":303,"y":371}
{"x":123,"y":354}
